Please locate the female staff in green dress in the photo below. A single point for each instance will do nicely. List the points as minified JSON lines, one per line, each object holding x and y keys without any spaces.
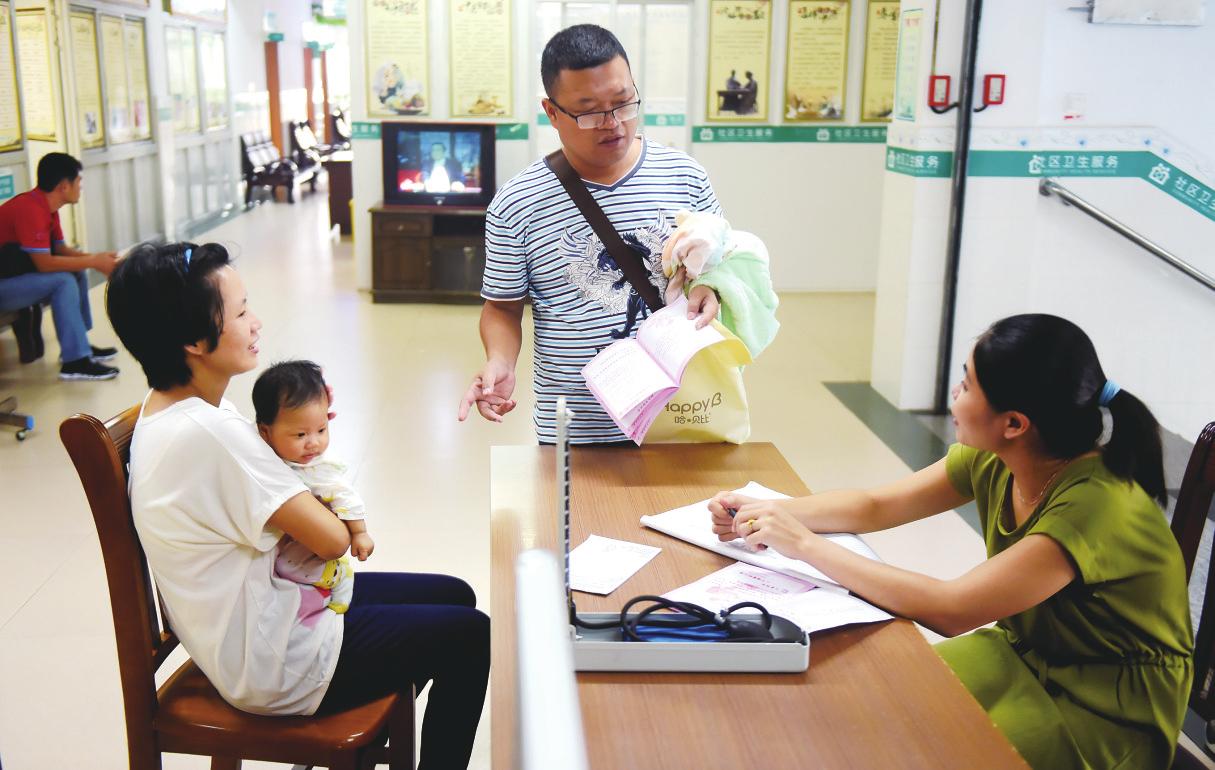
{"x":1089,"y":662}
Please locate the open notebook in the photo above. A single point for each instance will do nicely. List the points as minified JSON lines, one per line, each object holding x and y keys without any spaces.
{"x":693,"y":523}
{"x":635,"y":378}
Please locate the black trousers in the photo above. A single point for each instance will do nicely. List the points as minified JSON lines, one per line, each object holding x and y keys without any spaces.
{"x":404,"y":628}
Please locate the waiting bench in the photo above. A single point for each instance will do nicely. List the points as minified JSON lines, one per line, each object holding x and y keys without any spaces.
{"x":264,"y":166}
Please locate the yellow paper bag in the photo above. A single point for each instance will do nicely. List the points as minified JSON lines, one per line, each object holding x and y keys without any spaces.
{"x":711,"y":404}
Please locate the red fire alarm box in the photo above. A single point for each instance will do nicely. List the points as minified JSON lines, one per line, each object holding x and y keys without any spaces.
{"x":993,"y":89}
{"x":938,"y":91}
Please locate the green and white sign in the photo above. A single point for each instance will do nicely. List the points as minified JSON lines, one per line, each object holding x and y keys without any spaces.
{"x":650,"y":119}
{"x":365,"y":129}
{"x":1056,"y":163}
{"x":1182,"y":186}
{"x":7,"y":188}
{"x":370,"y":129}
{"x":509,"y":131}
{"x":824,"y":134}
{"x":917,"y":163}
{"x":1124,"y":164}
{"x":666,"y":120}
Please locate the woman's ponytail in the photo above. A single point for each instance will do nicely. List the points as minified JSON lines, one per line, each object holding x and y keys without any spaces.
{"x":1134,"y":451}
{"x":1046,"y":368}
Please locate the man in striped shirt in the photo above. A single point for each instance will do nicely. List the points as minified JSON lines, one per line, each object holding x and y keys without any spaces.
{"x":538,"y":243}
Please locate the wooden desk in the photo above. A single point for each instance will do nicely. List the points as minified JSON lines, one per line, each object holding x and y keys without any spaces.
{"x":875,"y":696}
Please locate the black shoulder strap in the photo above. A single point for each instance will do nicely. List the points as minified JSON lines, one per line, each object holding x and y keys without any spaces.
{"x":626,"y":258}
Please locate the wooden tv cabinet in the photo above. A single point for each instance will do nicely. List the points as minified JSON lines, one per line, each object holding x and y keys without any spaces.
{"x":427,"y":253}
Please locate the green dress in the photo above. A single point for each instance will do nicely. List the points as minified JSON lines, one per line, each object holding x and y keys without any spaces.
{"x":1098,"y":675}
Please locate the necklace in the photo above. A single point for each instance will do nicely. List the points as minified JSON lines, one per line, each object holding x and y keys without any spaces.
{"x":1045,"y":486}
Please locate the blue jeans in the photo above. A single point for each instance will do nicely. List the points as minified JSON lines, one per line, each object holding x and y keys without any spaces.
{"x":69,"y":296}
{"x":408,"y":628}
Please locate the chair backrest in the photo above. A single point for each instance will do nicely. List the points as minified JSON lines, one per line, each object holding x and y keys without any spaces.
{"x":340,"y":125}
{"x":257,"y":151}
{"x":303,"y":135}
{"x":1194,"y":497}
{"x":1189,"y":518}
{"x":101,"y":453}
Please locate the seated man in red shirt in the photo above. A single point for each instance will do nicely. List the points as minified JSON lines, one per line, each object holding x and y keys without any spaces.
{"x":36,"y":265}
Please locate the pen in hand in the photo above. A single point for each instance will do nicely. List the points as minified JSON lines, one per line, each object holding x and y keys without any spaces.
{"x":734,"y":512}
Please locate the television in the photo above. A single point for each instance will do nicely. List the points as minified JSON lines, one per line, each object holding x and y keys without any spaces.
{"x":438,"y":164}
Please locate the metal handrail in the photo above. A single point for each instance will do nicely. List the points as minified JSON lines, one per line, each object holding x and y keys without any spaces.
{"x":1050,"y":187}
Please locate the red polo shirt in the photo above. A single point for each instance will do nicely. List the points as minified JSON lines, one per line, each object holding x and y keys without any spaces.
{"x":27,"y":219}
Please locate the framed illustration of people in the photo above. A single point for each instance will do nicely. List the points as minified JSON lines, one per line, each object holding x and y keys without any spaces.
{"x":816,"y":60}
{"x":739,"y":49}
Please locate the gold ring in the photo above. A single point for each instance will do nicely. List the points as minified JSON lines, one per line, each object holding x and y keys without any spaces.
{"x":751,"y":525}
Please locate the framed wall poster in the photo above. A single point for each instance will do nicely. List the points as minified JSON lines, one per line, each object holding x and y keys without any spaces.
{"x":398,"y":58}
{"x":214,"y":11}
{"x":816,"y":69}
{"x":481,"y":66}
{"x":881,"y":60}
{"x":114,"y":72}
{"x":10,"y":108}
{"x":907,"y":71}
{"x":215,"y":77}
{"x":87,"y":71}
{"x":37,"y":88}
{"x":740,"y":42}
{"x":183,"y":78}
{"x":137,"y":70}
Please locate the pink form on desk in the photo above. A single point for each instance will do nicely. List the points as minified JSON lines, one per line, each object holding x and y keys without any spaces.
{"x":635,"y":378}
{"x":800,"y":601}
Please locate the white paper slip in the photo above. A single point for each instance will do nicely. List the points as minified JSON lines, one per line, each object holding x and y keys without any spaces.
{"x":600,"y":564}
{"x":694,"y":524}
{"x":800,"y":601}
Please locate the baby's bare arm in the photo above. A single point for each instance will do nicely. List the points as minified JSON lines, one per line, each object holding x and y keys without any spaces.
{"x":361,"y":544}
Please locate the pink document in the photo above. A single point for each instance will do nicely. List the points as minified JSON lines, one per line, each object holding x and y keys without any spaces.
{"x":635,"y":378}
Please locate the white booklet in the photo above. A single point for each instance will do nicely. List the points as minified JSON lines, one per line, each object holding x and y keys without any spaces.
{"x":791,"y":598}
{"x":694,"y":524}
{"x":600,"y":565}
{"x":635,"y":378}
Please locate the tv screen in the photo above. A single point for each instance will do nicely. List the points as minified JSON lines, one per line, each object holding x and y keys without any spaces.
{"x":438,"y":164}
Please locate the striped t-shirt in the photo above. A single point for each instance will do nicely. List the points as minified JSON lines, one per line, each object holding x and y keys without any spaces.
{"x":538,"y":243}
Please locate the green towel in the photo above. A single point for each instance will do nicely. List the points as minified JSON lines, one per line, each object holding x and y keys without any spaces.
{"x":744,"y":284}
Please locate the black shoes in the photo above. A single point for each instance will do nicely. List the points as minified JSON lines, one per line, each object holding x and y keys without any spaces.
{"x":30,"y":347}
{"x":103,"y":354}
{"x":28,"y":328}
{"x":86,"y":369}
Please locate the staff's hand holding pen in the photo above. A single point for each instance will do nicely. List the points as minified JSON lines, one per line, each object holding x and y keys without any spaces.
{"x":724,"y":508}
{"x":762,"y":523}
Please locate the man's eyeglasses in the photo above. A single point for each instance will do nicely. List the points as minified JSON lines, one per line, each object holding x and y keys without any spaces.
{"x":597,"y":119}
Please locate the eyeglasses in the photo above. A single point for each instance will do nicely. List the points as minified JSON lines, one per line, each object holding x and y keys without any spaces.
{"x":597,"y":119}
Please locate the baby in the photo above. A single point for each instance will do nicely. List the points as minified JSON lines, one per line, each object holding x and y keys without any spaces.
{"x":292,"y":408}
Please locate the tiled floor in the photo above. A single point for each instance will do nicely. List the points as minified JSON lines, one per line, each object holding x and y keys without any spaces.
{"x":398,"y":371}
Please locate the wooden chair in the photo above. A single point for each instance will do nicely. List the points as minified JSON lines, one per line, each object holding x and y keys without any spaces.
{"x":186,"y":715}
{"x":1189,"y":518}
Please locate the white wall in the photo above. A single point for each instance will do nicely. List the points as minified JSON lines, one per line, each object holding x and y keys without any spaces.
{"x":815,"y":205}
{"x":1022,"y":252}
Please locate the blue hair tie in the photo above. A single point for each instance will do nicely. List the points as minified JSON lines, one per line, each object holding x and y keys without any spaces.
{"x":1108,"y":391}
{"x":187,"y":256}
